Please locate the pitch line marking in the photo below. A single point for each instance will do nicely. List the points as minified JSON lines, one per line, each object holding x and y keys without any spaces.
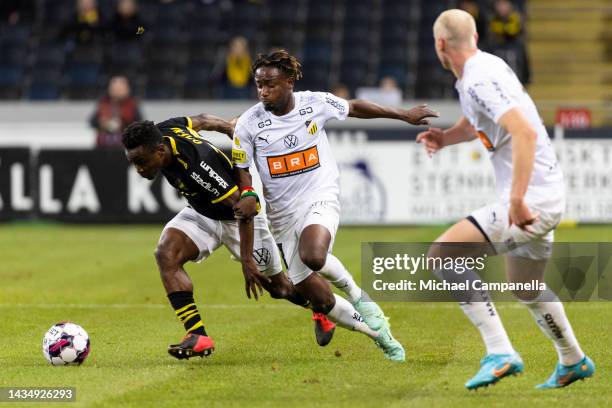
{"x":390,"y":305}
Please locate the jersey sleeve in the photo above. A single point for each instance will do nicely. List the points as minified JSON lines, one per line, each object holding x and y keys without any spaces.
{"x":242,"y":146}
{"x":333,"y":106}
{"x":490,"y":98}
{"x":173,"y":122}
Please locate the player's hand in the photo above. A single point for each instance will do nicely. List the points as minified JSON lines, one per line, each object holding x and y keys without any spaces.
{"x":418,"y":115}
{"x":245,"y":208}
{"x":432,"y":140}
{"x":520,"y":215}
{"x":253,"y":279}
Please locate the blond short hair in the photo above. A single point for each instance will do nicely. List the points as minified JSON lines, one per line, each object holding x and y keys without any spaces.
{"x":457,"y":27}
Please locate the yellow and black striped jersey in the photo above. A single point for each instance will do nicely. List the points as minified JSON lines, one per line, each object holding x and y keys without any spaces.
{"x":200,"y":171}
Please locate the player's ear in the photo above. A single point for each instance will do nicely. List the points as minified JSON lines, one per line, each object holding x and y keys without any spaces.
{"x":290,"y":82}
{"x":159,"y":149}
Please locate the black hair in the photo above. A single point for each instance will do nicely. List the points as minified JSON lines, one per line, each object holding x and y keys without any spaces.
{"x":280,"y":59}
{"x":142,"y":133}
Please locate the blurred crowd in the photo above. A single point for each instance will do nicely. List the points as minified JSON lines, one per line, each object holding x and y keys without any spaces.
{"x":200,"y":49}
{"x":501,"y":31}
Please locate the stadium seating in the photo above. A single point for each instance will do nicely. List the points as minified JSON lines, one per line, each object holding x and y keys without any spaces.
{"x":348,"y":41}
{"x":10,"y":81}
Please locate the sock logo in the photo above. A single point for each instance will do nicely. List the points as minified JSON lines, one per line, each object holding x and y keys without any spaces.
{"x":357,"y":316}
{"x":553,"y":325}
{"x":486,"y":298}
{"x":490,"y":309}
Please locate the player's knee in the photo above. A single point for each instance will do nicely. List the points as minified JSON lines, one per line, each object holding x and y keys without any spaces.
{"x":166,"y":257}
{"x":278,"y":291}
{"x":315,"y":260}
{"x":280,"y":287}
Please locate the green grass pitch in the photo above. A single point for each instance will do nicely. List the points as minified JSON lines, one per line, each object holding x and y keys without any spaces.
{"x":104,"y":278}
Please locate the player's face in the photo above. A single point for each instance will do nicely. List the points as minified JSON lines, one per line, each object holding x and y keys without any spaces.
{"x":147,"y":161}
{"x":274,"y":89}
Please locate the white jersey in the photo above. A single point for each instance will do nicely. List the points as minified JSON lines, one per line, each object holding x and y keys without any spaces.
{"x":291,"y":152}
{"x":488,"y":89}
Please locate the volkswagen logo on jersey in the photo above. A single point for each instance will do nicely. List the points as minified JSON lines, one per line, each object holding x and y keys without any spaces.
{"x":261,"y":256}
{"x":290,"y":141}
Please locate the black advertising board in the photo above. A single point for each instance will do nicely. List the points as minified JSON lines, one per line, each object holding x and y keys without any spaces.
{"x":81,"y":186}
{"x":16,"y":199}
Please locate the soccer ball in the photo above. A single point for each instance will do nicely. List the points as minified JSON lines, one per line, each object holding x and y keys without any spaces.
{"x":65,"y":343}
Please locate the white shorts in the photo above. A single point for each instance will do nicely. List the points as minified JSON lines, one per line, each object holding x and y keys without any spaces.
{"x":492,"y":220}
{"x":325,"y":213}
{"x":209,"y":234}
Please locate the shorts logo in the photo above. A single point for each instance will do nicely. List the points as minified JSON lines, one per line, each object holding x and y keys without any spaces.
{"x":290,"y":141}
{"x":261,"y":256}
{"x":294,"y":163}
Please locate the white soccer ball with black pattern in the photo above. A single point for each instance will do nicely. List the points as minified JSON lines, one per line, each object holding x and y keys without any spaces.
{"x":66,"y":343}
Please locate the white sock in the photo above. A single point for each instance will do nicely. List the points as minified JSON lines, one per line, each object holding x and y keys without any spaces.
{"x":484,"y":316}
{"x":345,"y":315}
{"x":479,"y":308}
{"x":551,"y":318}
{"x":337,"y":275}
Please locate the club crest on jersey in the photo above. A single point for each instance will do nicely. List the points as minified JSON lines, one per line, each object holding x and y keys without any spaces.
{"x":291,"y":141}
{"x":311,"y":127}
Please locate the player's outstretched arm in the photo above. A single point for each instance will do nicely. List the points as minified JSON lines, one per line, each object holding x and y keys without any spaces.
{"x":360,"y":108}
{"x":204,"y":121}
{"x":524,"y":138}
{"x":434,"y":139}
